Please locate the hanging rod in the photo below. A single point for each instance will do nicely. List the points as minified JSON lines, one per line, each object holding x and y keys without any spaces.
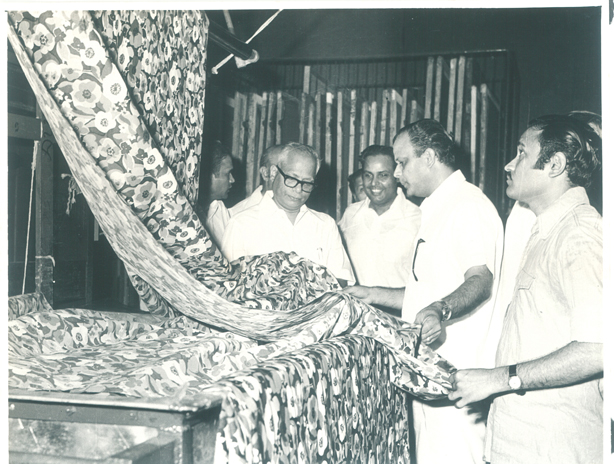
{"x":229,"y":42}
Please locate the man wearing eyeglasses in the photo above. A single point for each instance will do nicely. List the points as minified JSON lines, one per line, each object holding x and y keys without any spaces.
{"x":455,"y":264}
{"x":282,"y":221}
{"x":267,"y":161}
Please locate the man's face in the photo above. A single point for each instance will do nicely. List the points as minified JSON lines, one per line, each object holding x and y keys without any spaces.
{"x":525,"y":182}
{"x":359,"y":190}
{"x":300,"y":166}
{"x":411,"y":170}
{"x":221,"y":183}
{"x":380,"y":183}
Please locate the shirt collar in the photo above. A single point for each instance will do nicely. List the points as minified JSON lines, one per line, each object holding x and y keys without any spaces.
{"x":272,"y":208}
{"x":555,"y":213}
{"x":395,"y":206}
{"x":444,"y":190}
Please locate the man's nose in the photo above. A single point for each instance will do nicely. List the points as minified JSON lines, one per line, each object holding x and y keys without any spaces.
{"x":232,"y":179}
{"x":509,"y":167}
{"x":397,"y":171}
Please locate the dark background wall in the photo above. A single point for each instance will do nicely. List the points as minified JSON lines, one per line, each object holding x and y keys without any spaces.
{"x":558,"y":50}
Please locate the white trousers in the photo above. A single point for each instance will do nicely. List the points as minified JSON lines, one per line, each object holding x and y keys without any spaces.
{"x":446,"y":435}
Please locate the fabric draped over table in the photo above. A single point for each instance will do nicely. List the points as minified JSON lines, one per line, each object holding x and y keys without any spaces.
{"x":123,"y":92}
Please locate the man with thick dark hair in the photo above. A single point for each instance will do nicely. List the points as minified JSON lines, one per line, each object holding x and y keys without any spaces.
{"x":454,"y":270}
{"x":357,"y":186}
{"x":379,"y":231}
{"x":548,"y":404}
{"x":218,"y":184}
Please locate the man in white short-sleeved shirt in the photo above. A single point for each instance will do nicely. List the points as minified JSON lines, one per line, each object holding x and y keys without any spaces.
{"x":379,"y":231}
{"x":456,"y":259}
{"x":282,"y":221}
{"x":548,"y":404}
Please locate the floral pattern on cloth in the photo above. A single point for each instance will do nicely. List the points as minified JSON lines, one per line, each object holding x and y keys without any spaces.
{"x":328,"y":402}
{"x":96,"y":95}
{"x":162,"y":58}
{"x":131,"y":237}
{"x":280,"y":299}
{"x":28,"y":303}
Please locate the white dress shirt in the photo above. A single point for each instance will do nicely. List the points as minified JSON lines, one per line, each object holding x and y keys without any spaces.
{"x":381,"y":246}
{"x":253,"y":199}
{"x":460,"y":229}
{"x":266,"y":228}
{"x":217,"y":219}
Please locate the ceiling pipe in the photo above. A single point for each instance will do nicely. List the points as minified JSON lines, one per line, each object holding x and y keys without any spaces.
{"x":229,"y":42}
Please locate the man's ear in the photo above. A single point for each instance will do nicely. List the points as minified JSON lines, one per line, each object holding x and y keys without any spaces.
{"x":265,"y":173}
{"x":558,"y":164}
{"x":429,"y":157}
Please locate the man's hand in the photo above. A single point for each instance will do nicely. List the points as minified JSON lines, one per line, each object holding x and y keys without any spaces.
{"x":430,"y":320}
{"x":361,"y":292}
{"x":473,"y":385}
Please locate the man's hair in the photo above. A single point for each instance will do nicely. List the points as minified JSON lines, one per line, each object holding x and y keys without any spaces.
{"x":218,"y":153}
{"x":375,"y":150}
{"x":353,"y":178}
{"x":428,"y":133}
{"x":270,"y":156}
{"x":294,"y":147}
{"x":575,"y":139}
{"x":590,"y":118}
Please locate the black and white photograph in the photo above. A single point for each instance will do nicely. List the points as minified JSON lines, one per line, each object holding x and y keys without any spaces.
{"x":291,"y":232}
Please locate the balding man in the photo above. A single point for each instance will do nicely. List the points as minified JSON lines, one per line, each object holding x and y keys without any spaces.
{"x":268,"y":159}
{"x":282,"y":222}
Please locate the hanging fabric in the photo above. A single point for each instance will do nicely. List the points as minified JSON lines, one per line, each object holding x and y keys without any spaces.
{"x":101,"y":121}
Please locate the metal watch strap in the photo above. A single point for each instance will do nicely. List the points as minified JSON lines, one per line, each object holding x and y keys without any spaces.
{"x":446,"y":311}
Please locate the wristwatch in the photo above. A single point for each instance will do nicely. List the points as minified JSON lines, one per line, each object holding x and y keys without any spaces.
{"x":513,"y":380}
{"x":446,"y":311}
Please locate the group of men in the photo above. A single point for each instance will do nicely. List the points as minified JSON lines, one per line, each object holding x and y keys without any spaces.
{"x":523,"y":325}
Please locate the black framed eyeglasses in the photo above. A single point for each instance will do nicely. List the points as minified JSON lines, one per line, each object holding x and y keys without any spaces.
{"x":292,"y":182}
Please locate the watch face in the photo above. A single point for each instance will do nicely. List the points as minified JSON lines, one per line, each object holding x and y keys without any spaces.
{"x":515,"y":382}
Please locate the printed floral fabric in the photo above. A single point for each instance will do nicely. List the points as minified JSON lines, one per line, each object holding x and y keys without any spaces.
{"x":328,"y":402}
{"x":162,"y":57}
{"x":28,"y":303}
{"x":100,"y":119}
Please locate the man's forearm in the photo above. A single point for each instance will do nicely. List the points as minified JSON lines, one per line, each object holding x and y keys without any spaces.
{"x":574,"y":363}
{"x":571,"y":364}
{"x":470,"y":294}
{"x":389,"y":297}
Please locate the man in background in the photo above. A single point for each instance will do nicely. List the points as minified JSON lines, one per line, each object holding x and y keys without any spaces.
{"x":455,"y":266}
{"x":357,"y":186}
{"x":282,"y":221}
{"x":221,"y":179}
{"x":379,"y":231}
{"x":548,"y":404}
{"x":268,"y":159}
